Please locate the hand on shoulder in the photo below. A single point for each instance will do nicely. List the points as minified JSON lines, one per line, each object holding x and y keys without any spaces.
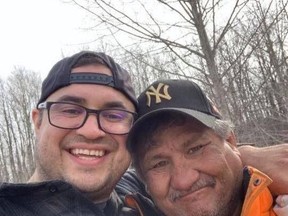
{"x":281,"y":207}
{"x":272,"y":160}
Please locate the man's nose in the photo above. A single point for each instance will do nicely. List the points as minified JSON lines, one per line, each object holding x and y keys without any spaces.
{"x":183,"y":177}
{"x":91,"y":128}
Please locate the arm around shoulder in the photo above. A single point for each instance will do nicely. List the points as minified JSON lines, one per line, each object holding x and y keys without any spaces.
{"x":272,"y":160}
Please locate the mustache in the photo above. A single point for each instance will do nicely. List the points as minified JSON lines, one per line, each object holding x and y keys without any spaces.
{"x":208,"y":181}
{"x":83,"y":139}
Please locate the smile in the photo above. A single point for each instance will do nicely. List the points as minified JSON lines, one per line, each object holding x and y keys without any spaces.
{"x":86,"y":153}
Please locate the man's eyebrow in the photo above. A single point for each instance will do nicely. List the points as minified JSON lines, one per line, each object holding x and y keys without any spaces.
{"x":152,"y":146}
{"x":114,"y":104}
{"x":80,"y":100}
{"x":190,"y":142}
{"x":194,"y":141}
{"x":154,"y":157}
{"x":157,"y":156}
{"x":73,"y":99}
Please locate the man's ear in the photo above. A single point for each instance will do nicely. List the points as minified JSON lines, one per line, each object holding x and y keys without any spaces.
{"x":36,"y":118}
{"x":231,"y":139}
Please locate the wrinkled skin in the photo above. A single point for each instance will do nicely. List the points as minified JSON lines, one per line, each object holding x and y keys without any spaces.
{"x":190,"y":171}
{"x":272,"y":160}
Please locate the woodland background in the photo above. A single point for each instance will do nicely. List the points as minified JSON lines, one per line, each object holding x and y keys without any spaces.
{"x":235,"y":49}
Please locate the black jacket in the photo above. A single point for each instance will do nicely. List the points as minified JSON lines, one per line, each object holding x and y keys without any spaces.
{"x":55,"y":198}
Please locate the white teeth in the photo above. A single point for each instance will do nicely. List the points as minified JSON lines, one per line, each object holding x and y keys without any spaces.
{"x":83,"y":152}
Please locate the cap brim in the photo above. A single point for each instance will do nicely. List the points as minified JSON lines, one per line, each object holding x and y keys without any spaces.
{"x":208,"y":120}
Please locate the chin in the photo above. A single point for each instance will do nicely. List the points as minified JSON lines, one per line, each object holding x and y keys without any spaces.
{"x":87,"y":183}
{"x":191,"y":212}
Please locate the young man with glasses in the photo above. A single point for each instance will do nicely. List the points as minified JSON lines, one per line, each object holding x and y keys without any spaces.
{"x":87,"y":107}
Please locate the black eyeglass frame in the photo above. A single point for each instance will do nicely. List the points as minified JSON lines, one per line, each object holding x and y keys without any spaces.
{"x":47,"y":105}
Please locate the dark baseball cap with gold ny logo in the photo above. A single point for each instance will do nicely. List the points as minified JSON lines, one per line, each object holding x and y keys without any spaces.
{"x":181,"y":96}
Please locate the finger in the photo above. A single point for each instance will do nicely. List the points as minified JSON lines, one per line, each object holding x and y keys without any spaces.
{"x":281,"y":211}
{"x":282,"y":200}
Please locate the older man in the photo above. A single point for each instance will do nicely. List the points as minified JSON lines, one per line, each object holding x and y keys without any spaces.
{"x":187,"y":156}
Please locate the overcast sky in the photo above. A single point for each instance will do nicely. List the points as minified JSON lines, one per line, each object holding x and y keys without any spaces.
{"x":35,"y":33}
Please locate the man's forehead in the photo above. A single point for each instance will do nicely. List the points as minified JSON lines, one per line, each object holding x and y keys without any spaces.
{"x":176,"y":137}
{"x":92,"y":95}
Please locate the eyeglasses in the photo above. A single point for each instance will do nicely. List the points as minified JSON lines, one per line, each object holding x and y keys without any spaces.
{"x":73,"y":116}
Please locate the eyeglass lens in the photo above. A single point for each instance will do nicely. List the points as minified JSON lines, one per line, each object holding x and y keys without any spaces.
{"x":73,"y":116}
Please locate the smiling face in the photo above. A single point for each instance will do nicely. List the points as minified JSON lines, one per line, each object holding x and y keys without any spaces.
{"x":189,"y":170}
{"x":88,"y":158}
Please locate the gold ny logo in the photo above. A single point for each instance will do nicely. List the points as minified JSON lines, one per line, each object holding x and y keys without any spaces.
{"x":156,"y":92}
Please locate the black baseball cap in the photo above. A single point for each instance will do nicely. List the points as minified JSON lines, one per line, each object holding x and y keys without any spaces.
{"x":179,"y":96}
{"x":60,"y":76}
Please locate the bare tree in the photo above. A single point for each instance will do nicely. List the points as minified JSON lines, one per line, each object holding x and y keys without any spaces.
{"x":263,"y":95}
{"x":193,"y":36}
{"x":235,"y":49}
{"x":19,"y":94}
